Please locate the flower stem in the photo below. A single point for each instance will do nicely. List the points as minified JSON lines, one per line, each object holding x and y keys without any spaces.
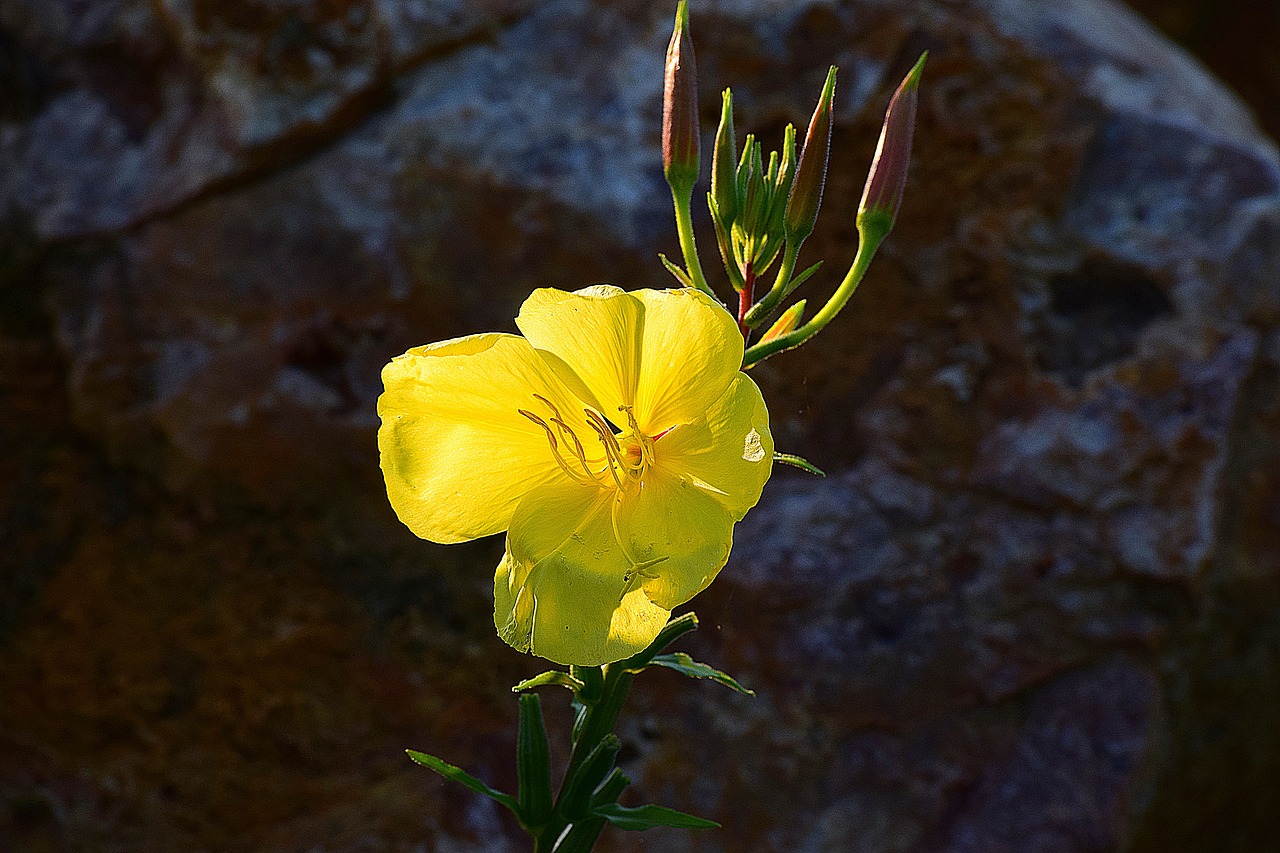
{"x":745,"y":297}
{"x":780,"y":290}
{"x":688,"y":248}
{"x":595,"y":722}
{"x":872,"y":235}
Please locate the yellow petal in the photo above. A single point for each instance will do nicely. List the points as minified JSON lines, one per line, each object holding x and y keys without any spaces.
{"x":678,"y":533}
{"x":456,"y":454}
{"x":591,"y":338}
{"x":564,"y":590}
{"x":690,"y":352}
{"x":706,"y":475}
{"x":727,"y":453}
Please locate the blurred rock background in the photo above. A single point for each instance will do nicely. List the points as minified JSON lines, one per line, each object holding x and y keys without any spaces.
{"x":1036,"y":607}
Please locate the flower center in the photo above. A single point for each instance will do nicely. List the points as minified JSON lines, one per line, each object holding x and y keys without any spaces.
{"x":620,"y":459}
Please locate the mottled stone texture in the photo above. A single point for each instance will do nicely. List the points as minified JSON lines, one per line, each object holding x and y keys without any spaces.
{"x":1035,"y":608}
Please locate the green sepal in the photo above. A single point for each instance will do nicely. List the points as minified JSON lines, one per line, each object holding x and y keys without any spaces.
{"x":457,"y":774}
{"x":874,"y":224}
{"x":552,"y":676}
{"x":680,"y":275}
{"x":533,"y":763}
{"x":647,"y":817}
{"x":685,"y":665}
{"x":798,"y":462}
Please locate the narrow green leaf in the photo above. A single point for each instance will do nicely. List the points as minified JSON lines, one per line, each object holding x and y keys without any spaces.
{"x":685,"y":665}
{"x":457,"y":774}
{"x":553,"y":676}
{"x":647,"y":817}
{"x":798,"y":462}
{"x":801,"y":279}
{"x":680,"y":275}
{"x":533,"y":763}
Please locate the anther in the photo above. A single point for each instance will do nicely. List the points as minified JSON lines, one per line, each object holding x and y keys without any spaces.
{"x":555,"y":451}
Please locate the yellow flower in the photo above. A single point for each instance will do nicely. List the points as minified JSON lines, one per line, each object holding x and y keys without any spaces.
{"x":617,"y":443}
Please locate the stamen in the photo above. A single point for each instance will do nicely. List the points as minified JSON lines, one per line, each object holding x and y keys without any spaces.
{"x":555,"y":451}
{"x":646,"y":449}
{"x":613,"y":462}
{"x":579,"y":453}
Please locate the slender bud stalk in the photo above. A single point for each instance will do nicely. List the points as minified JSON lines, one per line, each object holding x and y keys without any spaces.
{"x":881,"y":199}
{"x":680,"y":139}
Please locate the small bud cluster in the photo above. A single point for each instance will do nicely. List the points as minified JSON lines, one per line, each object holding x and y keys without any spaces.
{"x":763,"y":210}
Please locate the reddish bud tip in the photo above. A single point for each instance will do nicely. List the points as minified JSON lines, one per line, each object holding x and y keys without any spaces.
{"x":888,"y":176}
{"x":680,"y":106}
{"x":811,"y":171}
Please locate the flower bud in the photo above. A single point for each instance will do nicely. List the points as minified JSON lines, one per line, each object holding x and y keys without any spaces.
{"x":882,"y":195}
{"x":724,"y":162}
{"x":811,"y":171}
{"x":680,"y":107}
{"x":788,"y":321}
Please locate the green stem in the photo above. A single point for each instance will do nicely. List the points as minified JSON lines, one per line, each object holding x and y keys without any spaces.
{"x":780,"y":290}
{"x":604,"y":691}
{"x":598,"y":719}
{"x":871,"y":239}
{"x":688,"y":248}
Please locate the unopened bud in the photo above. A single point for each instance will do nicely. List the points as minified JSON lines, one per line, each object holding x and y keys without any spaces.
{"x":882,"y":195}
{"x":811,"y":171}
{"x":680,"y":107}
{"x":788,"y":321}
{"x":724,"y":162}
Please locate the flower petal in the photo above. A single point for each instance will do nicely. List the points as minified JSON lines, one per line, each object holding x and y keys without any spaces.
{"x":591,"y":338}
{"x":456,"y":453}
{"x":706,"y":475}
{"x":677,"y":533}
{"x":564,"y":589}
{"x":727,"y":453}
{"x":690,"y":352}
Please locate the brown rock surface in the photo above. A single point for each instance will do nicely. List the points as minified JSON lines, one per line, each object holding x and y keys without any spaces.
{"x":1036,"y":607}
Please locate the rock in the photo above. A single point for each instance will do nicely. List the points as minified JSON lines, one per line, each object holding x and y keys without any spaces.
{"x":137,"y":108}
{"x":1033,"y":608}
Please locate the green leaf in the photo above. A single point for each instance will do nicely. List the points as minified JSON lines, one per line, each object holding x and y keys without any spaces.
{"x":685,"y":665}
{"x":801,"y":279}
{"x":553,"y":676}
{"x":798,"y":462}
{"x":533,"y":763}
{"x":680,"y":275}
{"x":647,"y":817}
{"x":457,"y":774}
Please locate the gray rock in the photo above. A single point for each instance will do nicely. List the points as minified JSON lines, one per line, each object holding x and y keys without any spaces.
{"x":1033,"y":608}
